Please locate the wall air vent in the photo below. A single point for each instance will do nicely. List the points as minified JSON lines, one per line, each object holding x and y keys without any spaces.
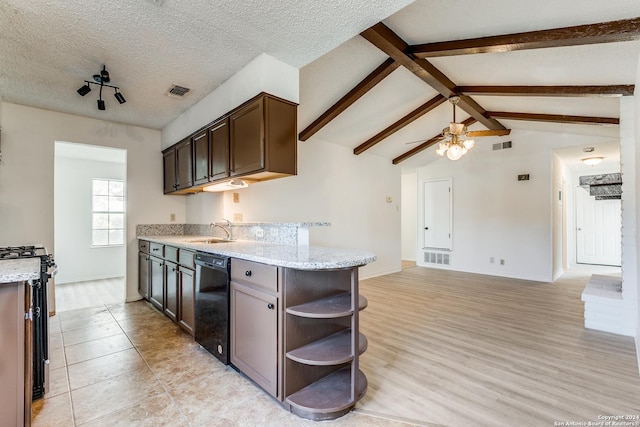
{"x":176,"y":91}
{"x":502,"y":145}
{"x":437,"y":258}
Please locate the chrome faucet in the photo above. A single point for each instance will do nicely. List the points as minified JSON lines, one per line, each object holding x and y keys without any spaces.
{"x":226,"y":227}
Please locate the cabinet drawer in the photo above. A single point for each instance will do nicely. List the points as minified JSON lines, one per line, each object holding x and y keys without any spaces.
{"x":143,"y":246}
{"x":157,"y":249}
{"x":185,"y":259}
{"x":171,"y":254}
{"x":261,"y":275}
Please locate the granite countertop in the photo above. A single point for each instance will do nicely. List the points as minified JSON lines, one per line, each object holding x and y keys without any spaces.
{"x":18,"y":270}
{"x":298,"y":257}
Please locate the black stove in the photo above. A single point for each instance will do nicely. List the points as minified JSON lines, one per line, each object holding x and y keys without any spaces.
{"x":15,"y":252}
{"x":39,"y":311}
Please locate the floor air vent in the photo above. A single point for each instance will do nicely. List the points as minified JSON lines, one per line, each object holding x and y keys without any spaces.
{"x":437,"y":258}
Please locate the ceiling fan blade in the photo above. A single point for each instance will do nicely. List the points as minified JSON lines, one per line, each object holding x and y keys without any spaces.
{"x":496,"y":132}
{"x":438,"y":138}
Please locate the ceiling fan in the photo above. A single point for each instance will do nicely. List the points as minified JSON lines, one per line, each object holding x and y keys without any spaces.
{"x":459,"y":139}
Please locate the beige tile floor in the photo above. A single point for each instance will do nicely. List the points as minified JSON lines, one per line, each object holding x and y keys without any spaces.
{"x":129,"y":365}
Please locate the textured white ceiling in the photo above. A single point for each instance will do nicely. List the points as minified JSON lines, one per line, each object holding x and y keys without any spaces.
{"x":327,"y":79}
{"x":49,"y":47}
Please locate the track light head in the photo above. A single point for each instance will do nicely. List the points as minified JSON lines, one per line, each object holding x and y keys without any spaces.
{"x":84,"y":90}
{"x":101,"y":105}
{"x":119,"y":97}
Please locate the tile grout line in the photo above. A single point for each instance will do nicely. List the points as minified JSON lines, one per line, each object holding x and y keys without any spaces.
{"x":66,"y":371}
{"x":152,"y":372}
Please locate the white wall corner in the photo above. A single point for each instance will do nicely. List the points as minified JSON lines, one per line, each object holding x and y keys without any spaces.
{"x":263,"y":74}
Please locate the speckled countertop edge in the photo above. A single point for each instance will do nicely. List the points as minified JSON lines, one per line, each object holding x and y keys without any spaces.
{"x":298,"y":257}
{"x":18,"y":270}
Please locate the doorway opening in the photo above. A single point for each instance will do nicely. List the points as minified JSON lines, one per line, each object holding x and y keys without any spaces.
{"x":89,"y":225}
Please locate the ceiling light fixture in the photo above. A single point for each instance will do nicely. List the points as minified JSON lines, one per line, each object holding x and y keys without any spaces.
{"x":459,"y":144}
{"x":592,"y":161}
{"x":101,"y":79}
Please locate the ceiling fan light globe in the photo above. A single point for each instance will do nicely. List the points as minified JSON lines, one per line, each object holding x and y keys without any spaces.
{"x":454,"y":152}
{"x":464,"y":151}
{"x":440,"y":151}
{"x":469,"y":144}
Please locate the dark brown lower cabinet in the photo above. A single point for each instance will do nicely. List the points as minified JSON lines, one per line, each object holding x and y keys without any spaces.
{"x":144,"y":263}
{"x":156,"y":285}
{"x":171,"y":291}
{"x":187,"y":291}
{"x":254,"y":335}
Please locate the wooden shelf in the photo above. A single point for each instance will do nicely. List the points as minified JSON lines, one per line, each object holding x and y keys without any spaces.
{"x":329,"y":396}
{"x":332,"y":350}
{"x":328,"y":308}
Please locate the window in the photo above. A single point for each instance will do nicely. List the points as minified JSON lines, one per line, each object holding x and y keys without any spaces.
{"x":108,"y":212}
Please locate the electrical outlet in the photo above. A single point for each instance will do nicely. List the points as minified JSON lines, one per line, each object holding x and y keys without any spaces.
{"x":501,"y":262}
{"x":237,"y":217}
{"x":236,"y":197}
{"x":172,"y":217}
{"x":259,"y":233}
{"x":492,"y":260}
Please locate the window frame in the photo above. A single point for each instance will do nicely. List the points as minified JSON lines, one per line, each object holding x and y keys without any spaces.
{"x":109,"y":195}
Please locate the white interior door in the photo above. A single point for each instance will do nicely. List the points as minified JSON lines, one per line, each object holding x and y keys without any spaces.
{"x":598,"y":230}
{"x":437,"y":214}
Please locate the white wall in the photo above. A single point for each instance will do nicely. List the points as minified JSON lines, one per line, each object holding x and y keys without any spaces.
{"x":629,"y":220}
{"x":26,"y":176}
{"x":409,"y":211}
{"x":332,"y":185}
{"x":73,"y":220}
{"x":637,"y":206}
{"x":495,"y":215}
{"x":263,"y":74}
{"x":558,"y":200}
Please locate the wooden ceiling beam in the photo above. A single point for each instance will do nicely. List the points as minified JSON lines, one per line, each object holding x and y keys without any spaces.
{"x":409,"y":118}
{"x":390,"y":43}
{"x":375,"y":77}
{"x":560,"y":91}
{"x":428,"y":143}
{"x":604,"y":32}
{"x":556,"y":118}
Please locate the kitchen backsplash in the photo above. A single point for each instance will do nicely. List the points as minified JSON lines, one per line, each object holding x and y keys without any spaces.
{"x":268,"y":232}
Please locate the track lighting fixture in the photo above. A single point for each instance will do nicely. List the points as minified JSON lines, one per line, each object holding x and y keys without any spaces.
{"x":101,"y":79}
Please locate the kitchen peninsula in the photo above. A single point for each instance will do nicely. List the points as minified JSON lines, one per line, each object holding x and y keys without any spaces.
{"x":293,"y":308}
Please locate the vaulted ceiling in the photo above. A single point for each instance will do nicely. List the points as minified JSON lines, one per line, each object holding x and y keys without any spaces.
{"x":49,"y":47}
{"x":568,"y":81}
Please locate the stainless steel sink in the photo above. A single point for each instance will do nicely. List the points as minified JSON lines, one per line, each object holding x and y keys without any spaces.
{"x":209,"y":241}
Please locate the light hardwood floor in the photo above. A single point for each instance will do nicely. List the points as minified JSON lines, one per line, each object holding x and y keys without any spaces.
{"x":457,"y":349}
{"x":445,"y":349}
{"x":72,"y":296}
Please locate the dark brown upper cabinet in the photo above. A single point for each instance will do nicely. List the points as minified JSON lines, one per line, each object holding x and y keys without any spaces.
{"x":219,"y":150}
{"x":263,"y":139}
{"x":169,"y":158}
{"x":178,"y":168}
{"x":257,"y":141}
{"x":200,"y":143}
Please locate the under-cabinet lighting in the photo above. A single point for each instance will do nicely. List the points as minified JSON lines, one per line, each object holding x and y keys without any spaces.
{"x":233,"y":184}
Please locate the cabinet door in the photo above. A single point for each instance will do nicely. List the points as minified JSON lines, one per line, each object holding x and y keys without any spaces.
{"x":156,"y":288}
{"x":171,"y":291}
{"x":184,"y":167}
{"x":219,"y":150}
{"x":254,"y":335}
{"x":247,"y":139}
{"x":201,"y":158}
{"x":143,"y":274}
{"x":186,"y":314}
{"x":170,"y":183}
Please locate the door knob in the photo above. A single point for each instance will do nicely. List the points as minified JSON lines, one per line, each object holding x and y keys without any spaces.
{"x":270,"y":306}
{"x":247,"y":273}
{"x":426,"y":228}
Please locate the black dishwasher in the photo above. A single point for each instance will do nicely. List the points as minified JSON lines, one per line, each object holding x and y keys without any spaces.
{"x":212,"y":304}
